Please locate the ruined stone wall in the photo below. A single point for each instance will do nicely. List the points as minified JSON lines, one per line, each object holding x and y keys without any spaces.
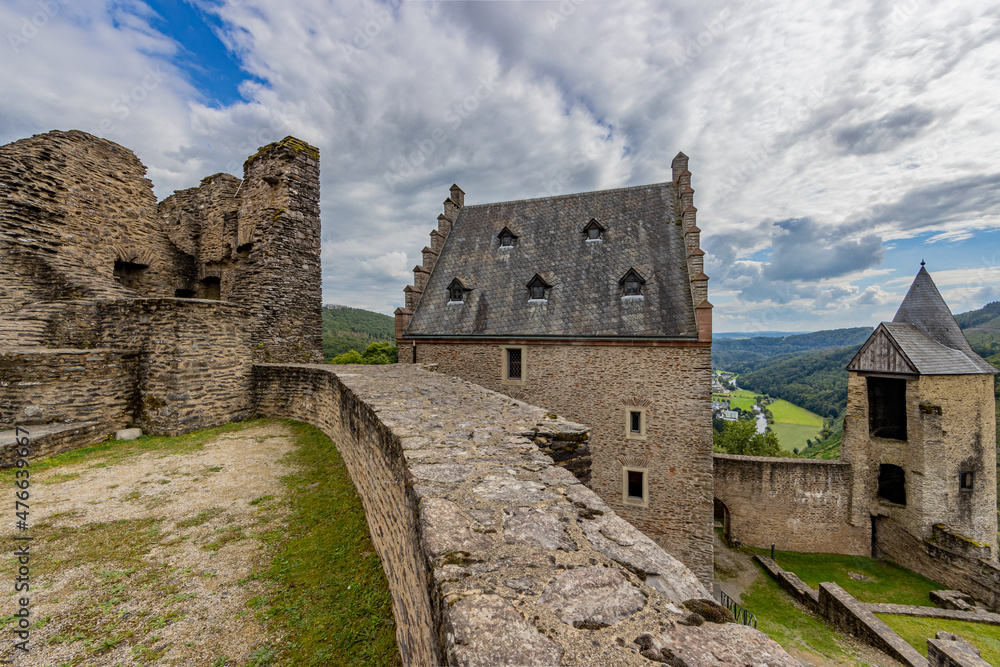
{"x":944,"y":557}
{"x":40,"y":386}
{"x":486,"y":546}
{"x":256,"y":243}
{"x":599,"y":385}
{"x":795,"y":504}
{"x":195,"y":367}
{"x":71,"y":206}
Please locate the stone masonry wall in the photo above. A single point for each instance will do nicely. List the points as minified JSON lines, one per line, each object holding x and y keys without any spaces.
{"x":40,"y":386}
{"x":950,"y":428}
{"x":493,"y":556}
{"x":195,"y":367}
{"x":795,"y":504}
{"x":71,"y":205}
{"x":934,"y":559}
{"x":598,"y":385}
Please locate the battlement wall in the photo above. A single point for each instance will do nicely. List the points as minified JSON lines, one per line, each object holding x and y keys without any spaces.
{"x":486,"y":544}
{"x":795,"y":504}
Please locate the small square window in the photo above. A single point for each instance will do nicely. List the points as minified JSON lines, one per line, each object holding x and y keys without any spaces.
{"x":506,"y":241}
{"x":635,"y":484}
{"x":538,"y":291}
{"x":966,"y":480}
{"x":594,"y":233}
{"x":457,"y":293}
{"x":631,"y":287}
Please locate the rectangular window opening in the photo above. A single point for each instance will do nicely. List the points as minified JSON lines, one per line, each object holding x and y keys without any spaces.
{"x":887,"y":408}
{"x":635,"y":484}
{"x":513,"y":364}
{"x":635,"y":422}
{"x":966,"y":481}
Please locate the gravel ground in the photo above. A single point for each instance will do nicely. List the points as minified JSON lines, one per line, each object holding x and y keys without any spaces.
{"x":146,"y":560}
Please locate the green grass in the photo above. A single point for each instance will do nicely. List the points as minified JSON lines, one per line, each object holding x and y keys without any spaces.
{"x":111,"y":451}
{"x":916,"y":631}
{"x":790,"y":624}
{"x":885,"y":582}
{"x":794,"y":436}
{"x":741,"y":399}
{"x":329,"y":597}
{"x":789,"y":413}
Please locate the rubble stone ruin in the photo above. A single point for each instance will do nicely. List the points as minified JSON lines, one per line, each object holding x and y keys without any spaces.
{"x":115,"y":309}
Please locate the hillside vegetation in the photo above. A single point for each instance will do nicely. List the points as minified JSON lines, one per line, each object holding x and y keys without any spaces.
{"x":355,"y":329}
{"x":809,"y":369}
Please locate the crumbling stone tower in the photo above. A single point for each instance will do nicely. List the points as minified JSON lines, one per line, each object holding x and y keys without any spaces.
{"x":256,"y":243}
{"x":116,"y":310}
{"x":919,"y":434}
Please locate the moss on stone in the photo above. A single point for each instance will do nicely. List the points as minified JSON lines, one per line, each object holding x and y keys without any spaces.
{"x":296,"y":145}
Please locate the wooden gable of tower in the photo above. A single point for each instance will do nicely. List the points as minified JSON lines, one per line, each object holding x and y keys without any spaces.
{"x":881,"y":354}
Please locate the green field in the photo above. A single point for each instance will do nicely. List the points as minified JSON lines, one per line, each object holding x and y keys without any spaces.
{"x":789,"y":413}
{"x":794,"y":425}
{"x":741,"y":399}
{"x":793,"y":436}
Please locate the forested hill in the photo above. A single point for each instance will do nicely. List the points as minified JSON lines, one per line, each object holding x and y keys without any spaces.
{"x":809,"y":369}
{"x":744,"y":354}
{"x":347,"y":328}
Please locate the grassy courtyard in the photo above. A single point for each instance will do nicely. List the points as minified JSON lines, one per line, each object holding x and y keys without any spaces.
{"x":244,"y":545}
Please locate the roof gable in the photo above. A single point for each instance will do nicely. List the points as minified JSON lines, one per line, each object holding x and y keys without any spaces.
{"x":882,"y":354}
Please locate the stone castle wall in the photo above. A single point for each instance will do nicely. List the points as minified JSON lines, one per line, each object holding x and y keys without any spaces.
{"x":71,"y":206}
{"x":256,"y":243}
{"x":944,"y":557}
{"x":68,"y":386}
{"x":599,"y":384}
{"x":172,"y":365}
{"x":486,"y":546}
{"x":795,"y":504}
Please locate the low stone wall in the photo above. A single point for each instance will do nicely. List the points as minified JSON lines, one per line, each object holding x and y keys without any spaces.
{"x":195,"y":367}
{"x":39,"y":386}
{"x":957,"y":569}
{"x":50,"y":439}
{"x":846,"y":613}
{"x":493,"y":555}
{"x":949,"y":650}
{"x":795,"y":504}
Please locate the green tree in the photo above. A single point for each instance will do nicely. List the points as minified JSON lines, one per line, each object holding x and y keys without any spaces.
{"x":741,"y":437}
{"x":376,"y":353}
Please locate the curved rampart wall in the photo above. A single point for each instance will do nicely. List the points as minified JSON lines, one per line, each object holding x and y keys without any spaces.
{"x":495,"y":556}
{"x":795,"y":504}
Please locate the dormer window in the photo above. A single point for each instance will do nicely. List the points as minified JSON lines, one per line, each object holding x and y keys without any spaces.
{"x":537,"y":287}
{"x":632,"y":283}
{"x":594,"y":230}
{"x":507,"y":238}
{"x":456,"y":291}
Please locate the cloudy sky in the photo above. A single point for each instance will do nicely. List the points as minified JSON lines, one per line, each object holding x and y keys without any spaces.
{"x":833,"y":145}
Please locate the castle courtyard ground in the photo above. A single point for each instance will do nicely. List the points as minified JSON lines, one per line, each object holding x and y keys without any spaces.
{"x":149,"y":557}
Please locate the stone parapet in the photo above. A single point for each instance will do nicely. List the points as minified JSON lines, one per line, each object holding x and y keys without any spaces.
{"x":486,"y":545}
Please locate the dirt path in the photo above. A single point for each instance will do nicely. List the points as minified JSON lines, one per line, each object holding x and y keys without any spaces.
{"x":146,"y":560}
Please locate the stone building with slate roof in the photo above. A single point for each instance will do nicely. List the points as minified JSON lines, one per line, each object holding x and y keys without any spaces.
{"x":919,"y":434}
{"x":594,"y":305}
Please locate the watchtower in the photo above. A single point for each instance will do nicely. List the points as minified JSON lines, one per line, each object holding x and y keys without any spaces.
{"x":919,"y":433}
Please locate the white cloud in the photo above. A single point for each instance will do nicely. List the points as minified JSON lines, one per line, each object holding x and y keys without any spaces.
{"x":868,"y":120}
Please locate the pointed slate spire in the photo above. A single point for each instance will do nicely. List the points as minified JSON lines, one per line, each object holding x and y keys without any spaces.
{"x":925,"y":308}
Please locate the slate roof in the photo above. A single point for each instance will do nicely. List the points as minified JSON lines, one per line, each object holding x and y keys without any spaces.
{"x":640,"y":232}
{"x":926,"y":333}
